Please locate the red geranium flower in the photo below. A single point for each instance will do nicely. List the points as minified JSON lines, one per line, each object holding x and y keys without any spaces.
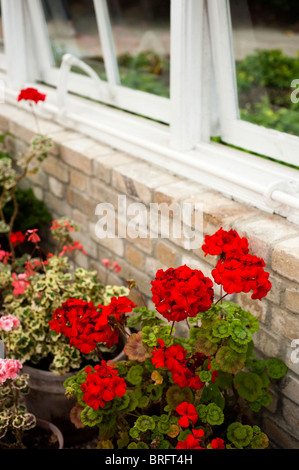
{"x":243,"y":274}
{"x":16,"y":238}
{"x":118,"y":307}
{"x":188,"y":413}
{"x":31,"y":94}
{"x":102,"y":385}
{"x":192,"y":441}
{"x":182,"y":292}
{"x":225,"y":243}
{"x":174,"y":358}
{"x":82,"y":323}
{"x":217,"y":443}
{"x":32,"y":236}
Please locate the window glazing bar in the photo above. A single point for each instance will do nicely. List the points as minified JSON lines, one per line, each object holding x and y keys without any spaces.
{"x":107,"y":41}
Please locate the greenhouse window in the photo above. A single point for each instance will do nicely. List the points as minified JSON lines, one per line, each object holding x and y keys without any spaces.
{"x":201,"y":87}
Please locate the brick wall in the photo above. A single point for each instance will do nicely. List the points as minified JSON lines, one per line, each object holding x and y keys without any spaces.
{"x":81,"y":173}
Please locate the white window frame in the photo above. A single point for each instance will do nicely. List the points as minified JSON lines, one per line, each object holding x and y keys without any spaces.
{"x":183,"y":146}
{"x":258,"y":139}
{"x":135,"y":101}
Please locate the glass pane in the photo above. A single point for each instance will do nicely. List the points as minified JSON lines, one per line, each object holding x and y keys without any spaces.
{"x":266,"y":47}
{"x":141,"y":32}
{"x":72,"y":28}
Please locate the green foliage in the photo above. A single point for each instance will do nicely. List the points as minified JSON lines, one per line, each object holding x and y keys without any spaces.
{"x":264,"y":79}
{"x":233,"y":380}
{"x":15,"y":420}
{"x":56,"y":282}
{"x":32,"y":213}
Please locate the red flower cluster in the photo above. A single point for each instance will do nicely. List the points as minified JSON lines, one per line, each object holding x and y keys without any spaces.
{"x":182,"y":292}
{"x":32,"y":235}
{"x":117,"y":307}
{"x":31,"y":94}
{"x":192,"y":441}
{"x":101,"y":385}
{"x":236,"y":270}
{"x":31,"y":266}
{"x":72,"y":247}
{"x":86,"y":325}
{"x":174,"y":358}
{"x":16,"y":238}
{"x":225,"y":243}
{"x":243,"y":274}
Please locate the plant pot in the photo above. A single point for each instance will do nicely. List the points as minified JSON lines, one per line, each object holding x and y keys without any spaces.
{"x":45,"y":435}
{"x":47,"y":401}
{"x":50,"y":428}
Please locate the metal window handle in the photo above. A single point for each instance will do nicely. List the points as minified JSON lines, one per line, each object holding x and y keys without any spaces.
{"x":69,"y":61}
{"x":282,"y":192}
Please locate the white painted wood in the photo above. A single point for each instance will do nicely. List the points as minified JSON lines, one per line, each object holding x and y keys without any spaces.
{"x":224,"y":64}
{"x":186,"y":73}
{"x":135,"y":101}
{"x":44,"y":56}
{"x":234,"y":131}
{"x":13,"y":22}
{"x":242,"y":176}
{"x":68,"y":61}
{"x":107,"y":41}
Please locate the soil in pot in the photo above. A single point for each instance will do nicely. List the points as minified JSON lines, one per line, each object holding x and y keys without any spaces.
{"x":44,"y":435}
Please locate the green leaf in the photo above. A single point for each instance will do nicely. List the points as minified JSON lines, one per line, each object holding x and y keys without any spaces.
{"x":248,"y":385}
{"x":229,"y":360}
{"x":276,"y":368}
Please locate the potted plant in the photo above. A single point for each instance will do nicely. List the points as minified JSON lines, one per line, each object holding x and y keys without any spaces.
{"x":204,"y":390}
{"x":20,"y":429}
{"x":32,"y":288}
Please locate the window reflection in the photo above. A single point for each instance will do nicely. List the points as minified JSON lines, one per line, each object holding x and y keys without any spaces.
{"x":266,"y":48}
{"x":141,"y":32}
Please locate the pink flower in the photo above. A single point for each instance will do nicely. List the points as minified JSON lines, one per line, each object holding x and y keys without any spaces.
{"x":106,"y":262}
{"x":33,"y":237}
{"x":9,"y":369}
{"x":4,"y":255}
{"x":116,"y":266}
{"x":71,"y":247}
{"x":20,"y":283}
{"x":9,"y":322}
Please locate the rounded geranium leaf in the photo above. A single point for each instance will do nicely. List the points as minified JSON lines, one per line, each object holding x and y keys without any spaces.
{"x":18,"y":421}
{"x":205,"y":346}
{"x":229,"y":360}
{"x":155,"y":391}
{"x":276,"y":368}
{"x":239,"y":434}
{"x":135,"y":348}
{"x":260,"y":441}
{"x":239,"y":333}
{"x":205,"y":376}
{"x":176,"y":395}
{"x":214,"y":414}
{"x":145,"y":423}
{"x":90,"y":417}
{"x":249,"y":385}
{"x":29,"y":421}
{"x":135,"y":375}
{"x":220,"y":329}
